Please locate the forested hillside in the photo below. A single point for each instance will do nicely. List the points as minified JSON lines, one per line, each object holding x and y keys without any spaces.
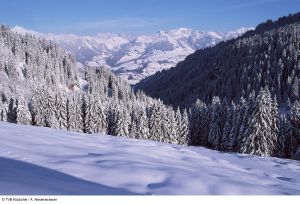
{"x":266,"y":57}
{"x":243,"y":94}
{"x":231,"y":92}
{"x":41,"y":85}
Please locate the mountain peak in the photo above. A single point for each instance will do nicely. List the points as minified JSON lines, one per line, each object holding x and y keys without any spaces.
{"x":179,"y":31}
{"x":134,"y":57}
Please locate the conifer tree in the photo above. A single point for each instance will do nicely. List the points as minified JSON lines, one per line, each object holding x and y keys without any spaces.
{"x":169,"y":132}
{"x":184,"y":137}
{"x":155,"y":122}
{"x":199,"y":121}
{"x":76,"y":121}
{"x":23,"y":113}
{"x":216,"y":126}
{"x":294,"y":132}
{"x":3,"y":111}
{"x":226,"y":144}
{"x":261,"y":134}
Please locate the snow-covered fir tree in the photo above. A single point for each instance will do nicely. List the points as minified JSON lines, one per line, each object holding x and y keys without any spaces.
{"x":183,"y":135}
{"x":261,"y":135}
{"x":3,"y":110}
{"x":139,"y":124}
{"x":216,"y":124}
{"x":40,"y":84}
{"x":23,"y":113}
{"x":12,"y":111}
{"x":227,"y":143}
{"x":233,"y":140}
{"x":199,"y":121}
{"x":155,"y":122}
{"x":293,"y":133}
{"x":75,"y":109}
{"x":178,"y":121}
{"x":168,"y":126}
{"x":61,"y":112}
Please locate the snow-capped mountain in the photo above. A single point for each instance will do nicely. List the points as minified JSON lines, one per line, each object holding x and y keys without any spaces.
{"x":134,"y":57}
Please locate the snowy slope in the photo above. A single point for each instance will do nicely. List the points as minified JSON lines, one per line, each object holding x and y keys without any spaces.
{"x":35,"y":160}
{"x":135,"y":57}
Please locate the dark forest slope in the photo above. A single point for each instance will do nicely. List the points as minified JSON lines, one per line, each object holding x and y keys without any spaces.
{"x":266,"y":57}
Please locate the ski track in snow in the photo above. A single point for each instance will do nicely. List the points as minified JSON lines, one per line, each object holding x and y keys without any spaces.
{"x":36,"y":160}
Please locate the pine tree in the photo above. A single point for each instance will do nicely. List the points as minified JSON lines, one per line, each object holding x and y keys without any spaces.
{"x":119,"y":122}
{"x":84,"y":112}
{"x":60,"y":112}
{"x":133,"y":127}
{"x":3,"y":111}
{"x":23,"y":113}
{"x":49,"y":110}
{"x":90,"y":116}
{"x":126,"y":122}
{"x":138,"y":127}
{"x":100,"y":119}
{"x":227,"y":142}
{"x":294,"y":132}
{"x":261,"y":134}
{"x":216,"y":125}
{"x":12,"y":111}
{"x":142,"y":126}
{"x":199,"y":122}
{"x":178,"y":121}
{"x":184,"y":137}
{"x":285,"y":132}
{"x":76,"y":122}
{"x":247,"y":108}
{"x":169,"y":132}
{"x":155,"y":122}
{"x":237,"y":124}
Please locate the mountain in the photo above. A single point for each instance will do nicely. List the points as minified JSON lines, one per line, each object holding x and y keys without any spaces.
{"x":133,"y":57}
{"x":265,"y":57}
{"x":42,"y":85}
{"x":43,"y":161}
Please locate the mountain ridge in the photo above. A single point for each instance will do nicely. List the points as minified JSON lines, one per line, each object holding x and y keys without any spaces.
{"x":264,"y":57}
{"x":135,"y":57}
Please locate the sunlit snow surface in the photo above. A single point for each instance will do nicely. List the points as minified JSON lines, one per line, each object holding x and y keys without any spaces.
{"x":35,"y":160}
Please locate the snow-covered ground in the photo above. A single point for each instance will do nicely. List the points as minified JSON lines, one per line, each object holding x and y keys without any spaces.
{"x":35,"y":160}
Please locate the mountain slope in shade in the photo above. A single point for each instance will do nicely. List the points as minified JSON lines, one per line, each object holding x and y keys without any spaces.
{"x":265,"y":57}
{"x":135,"y":57}
{"x":36,"y":160}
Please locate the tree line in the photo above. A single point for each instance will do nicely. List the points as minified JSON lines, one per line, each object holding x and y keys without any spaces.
{"x":90,"y":113}
{"x":235,"y":68}
{"x":254,"y":126}
{"x":41,"y":85}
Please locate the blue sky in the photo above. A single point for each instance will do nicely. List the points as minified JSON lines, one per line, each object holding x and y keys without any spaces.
{"x":87,"y":17}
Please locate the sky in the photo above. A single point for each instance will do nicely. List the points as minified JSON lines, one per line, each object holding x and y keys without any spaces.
{"x":88,"y":17}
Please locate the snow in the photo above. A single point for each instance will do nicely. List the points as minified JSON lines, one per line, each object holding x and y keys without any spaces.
{"x":36,"y":160}
{"x":24,"y":31}
{"x":19,"y":68}
{"x":134,"y":57}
